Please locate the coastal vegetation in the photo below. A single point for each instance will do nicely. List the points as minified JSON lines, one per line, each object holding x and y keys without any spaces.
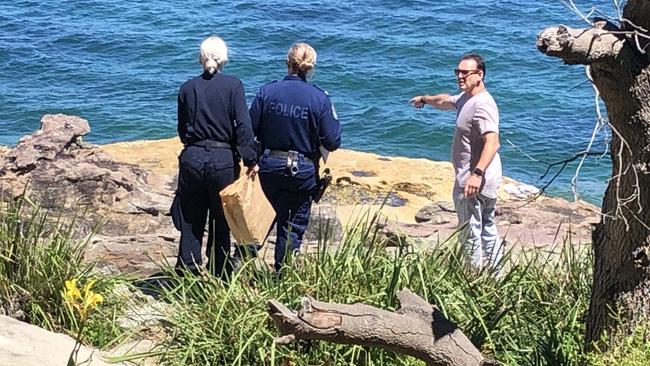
{"x":39,"y":252}
{"x":528,"y":311}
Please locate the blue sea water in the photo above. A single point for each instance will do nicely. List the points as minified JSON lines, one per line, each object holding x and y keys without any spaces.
{"x":119,"y":64}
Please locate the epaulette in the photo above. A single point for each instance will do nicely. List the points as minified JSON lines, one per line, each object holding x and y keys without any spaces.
{"x":321,"y":89}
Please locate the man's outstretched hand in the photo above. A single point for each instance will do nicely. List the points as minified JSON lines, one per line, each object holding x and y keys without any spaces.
{"x":418,"y":101}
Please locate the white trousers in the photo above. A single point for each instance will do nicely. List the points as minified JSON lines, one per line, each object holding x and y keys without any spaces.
{"x":479,"y":237}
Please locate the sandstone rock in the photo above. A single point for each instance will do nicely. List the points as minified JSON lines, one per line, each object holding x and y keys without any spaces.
{"x":519,"y":191}
{"x":136,"y":348}
{"x":507,"y":214}
{"x":69,"y":176}
{"x":57,"y":134}
{"x":438,"y":213}
{"x":23,"y":344}
{"x":149,"y":315}
{"x":324,"y":222}
{"x":139,"y":254}
{"x":399,"y":233}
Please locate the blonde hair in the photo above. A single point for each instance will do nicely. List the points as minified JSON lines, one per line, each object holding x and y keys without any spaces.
{"x":301,"y":59}
{"x":214,"y":54}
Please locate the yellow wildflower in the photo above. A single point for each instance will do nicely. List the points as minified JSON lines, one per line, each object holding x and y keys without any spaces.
{"x":71,"y":292}
{"x":82,"y":304}
{"x":90,"y":302}
{"x":72,"y":295}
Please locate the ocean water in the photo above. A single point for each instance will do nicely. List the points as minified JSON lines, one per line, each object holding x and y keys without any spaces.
{"x":119,"y":64}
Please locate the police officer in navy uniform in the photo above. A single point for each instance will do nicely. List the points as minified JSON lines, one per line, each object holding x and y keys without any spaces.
{"x":293,"y":120}
{"x":214,"y":127}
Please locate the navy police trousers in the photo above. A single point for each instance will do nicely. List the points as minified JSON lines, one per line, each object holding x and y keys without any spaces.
{"x":203,"y":172}
{"x":290,"y":195}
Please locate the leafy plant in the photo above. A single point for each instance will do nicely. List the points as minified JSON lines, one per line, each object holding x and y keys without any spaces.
{"x":37,"y":254}
{"x":632,"y":351}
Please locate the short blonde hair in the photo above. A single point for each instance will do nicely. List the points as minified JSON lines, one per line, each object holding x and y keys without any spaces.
{"x":301,"y":58}
{"x":214,"y":54}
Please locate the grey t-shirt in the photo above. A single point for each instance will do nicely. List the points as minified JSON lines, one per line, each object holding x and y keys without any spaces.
{"x":475,"y":116}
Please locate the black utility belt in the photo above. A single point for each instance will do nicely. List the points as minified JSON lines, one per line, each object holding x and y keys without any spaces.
{"x":210,"y":143}
{"x":290,"y":155}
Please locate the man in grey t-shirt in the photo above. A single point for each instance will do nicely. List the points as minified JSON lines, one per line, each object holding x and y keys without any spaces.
{"x":475,"y":158}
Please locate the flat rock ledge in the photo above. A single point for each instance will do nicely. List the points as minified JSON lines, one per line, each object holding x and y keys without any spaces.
{"x":23,"y":344}
{"x":127,"y":188}
{"x":543,"y":222}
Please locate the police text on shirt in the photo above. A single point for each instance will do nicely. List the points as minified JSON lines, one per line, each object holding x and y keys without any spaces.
{"x":289,"y":110}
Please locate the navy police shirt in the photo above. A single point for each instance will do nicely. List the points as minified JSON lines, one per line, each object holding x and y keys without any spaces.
{"x":292,"y":114}
{"x":213,"y":107}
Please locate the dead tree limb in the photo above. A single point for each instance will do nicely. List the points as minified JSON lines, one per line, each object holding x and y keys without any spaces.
{"x":581,"y":46}
{"x":417,"y":328}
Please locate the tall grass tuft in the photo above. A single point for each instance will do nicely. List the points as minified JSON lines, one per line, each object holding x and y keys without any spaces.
{"x":39,"y":251}
{"x":526,"y":312}
{"x":37,"y":254}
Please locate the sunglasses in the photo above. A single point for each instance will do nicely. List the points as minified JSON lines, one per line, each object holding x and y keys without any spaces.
{"x":464,"y":73}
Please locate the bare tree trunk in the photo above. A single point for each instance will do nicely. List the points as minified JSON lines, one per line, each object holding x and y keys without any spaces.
{"x":417,"y":329}
{"x":621,"y":241}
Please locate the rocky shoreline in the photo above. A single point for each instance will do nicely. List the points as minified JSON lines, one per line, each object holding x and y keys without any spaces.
{"x":122,"y":193}
{"x":128,"y":187}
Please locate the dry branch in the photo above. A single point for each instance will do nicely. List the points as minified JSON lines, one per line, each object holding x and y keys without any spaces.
{"x":418,"y":328}
{"x":580,"y":46}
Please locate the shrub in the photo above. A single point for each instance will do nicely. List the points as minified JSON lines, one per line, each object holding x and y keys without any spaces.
{"x":632,"y":351}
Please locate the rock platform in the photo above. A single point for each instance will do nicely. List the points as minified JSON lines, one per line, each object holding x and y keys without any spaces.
{"x":126,"y":189}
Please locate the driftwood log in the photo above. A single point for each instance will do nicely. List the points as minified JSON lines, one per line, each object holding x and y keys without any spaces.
{"x":417,"y":328}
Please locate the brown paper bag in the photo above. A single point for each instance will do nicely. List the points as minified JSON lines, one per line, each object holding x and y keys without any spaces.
{"x":248,"y":212}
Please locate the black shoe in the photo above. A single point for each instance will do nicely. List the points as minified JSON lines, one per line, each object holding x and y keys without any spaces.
{"x":156,"y":285}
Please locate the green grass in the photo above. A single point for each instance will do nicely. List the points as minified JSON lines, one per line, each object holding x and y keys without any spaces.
{"x":37,"y":255}
{"x":528,"y":312}
{"x":38,"y":252}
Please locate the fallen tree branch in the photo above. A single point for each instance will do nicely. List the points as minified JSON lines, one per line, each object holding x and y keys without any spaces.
{"x":417,"y":329}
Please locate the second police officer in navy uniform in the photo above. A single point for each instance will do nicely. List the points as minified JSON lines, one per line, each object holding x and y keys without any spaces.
{"x":293,"y":120}
{"x":214,"y":127}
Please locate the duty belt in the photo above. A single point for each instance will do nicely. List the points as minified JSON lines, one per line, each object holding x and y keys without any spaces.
{"x":285,"y":154}
{"x":211,"y":143}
